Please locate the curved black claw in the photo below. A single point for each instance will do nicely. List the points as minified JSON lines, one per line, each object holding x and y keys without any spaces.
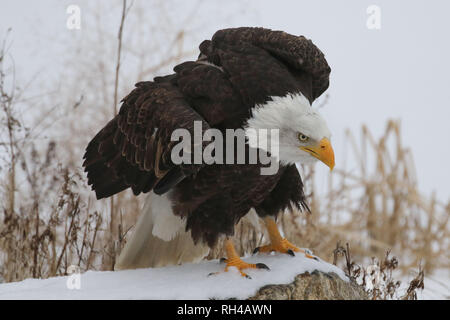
{"x":262,"y":266}
{"x":247,"y":276}
{"x":212,"y":274}
{"x":256,"y":250}
{"x":290,"y":252}
{"x":222,"y":260}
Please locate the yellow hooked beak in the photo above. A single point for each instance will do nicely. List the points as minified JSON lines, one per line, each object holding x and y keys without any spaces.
{"x":322,"y":151}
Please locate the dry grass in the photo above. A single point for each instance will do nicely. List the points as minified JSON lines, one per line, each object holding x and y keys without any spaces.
{"x":377,"y":278}
{"x":45,"y":224}
{"x":49,"y":219}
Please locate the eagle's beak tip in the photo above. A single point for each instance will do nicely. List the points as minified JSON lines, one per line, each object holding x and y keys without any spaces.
{"x":322,"y":151}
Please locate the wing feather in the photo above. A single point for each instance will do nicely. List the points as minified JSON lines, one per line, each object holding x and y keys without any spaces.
{"x":133,"y":150}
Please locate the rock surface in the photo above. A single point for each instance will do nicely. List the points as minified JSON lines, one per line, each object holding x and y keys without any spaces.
{"x":313,"y":286}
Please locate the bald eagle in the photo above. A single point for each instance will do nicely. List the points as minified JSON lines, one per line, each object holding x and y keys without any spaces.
{"x":244,"y":78}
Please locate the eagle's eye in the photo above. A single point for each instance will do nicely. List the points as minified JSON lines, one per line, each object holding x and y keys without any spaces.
{"x":302,"y":137}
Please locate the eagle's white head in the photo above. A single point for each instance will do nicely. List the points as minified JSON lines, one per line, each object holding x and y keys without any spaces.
{"x":303,"y":135}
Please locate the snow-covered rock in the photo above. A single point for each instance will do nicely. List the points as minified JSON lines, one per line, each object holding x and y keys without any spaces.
{"x":188,"y":281}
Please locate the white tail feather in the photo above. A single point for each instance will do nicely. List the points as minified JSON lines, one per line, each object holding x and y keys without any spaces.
{"x":159,"y":238}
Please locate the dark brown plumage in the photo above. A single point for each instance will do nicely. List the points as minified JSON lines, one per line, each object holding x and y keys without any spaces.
{"x":249,"y":66}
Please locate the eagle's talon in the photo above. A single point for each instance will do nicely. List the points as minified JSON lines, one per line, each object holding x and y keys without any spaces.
{"x":223,"y":260}
{"x":282,"y":246}
{"x":262,"y":266}
{"x":256,"y":250}
{"x":235,"y":261}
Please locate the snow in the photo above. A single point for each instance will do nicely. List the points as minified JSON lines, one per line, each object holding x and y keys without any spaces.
{"x":188,"y":281}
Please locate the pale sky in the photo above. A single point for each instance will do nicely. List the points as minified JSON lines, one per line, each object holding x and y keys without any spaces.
{"x":400,"y":71}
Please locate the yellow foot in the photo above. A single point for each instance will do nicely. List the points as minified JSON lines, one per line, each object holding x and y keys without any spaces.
{"x":234,"y":261}
{"x":241,"y":265}
{"x":278,"y":243}
{"x":283,"y":246}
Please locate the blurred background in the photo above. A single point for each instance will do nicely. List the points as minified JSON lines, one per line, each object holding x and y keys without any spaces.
{"x":387,"y":105}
